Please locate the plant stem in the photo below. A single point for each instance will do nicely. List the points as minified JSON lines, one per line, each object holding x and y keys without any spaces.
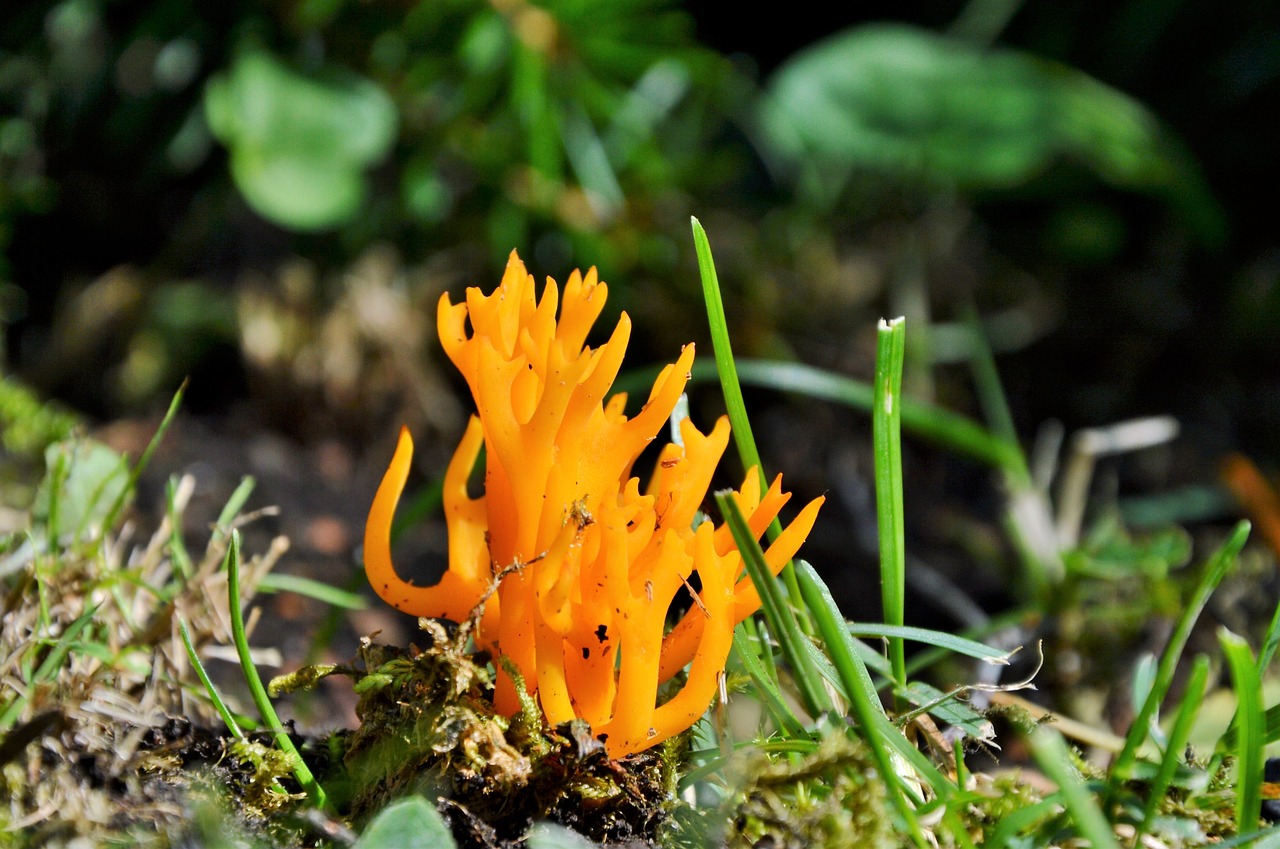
{"x":265,"y":709}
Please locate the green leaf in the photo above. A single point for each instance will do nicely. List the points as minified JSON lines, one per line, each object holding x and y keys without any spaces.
{"x":80,"y":496}
{"x":915,"y":105}
{"x":300,"y":143}
{"x":411,"y":823}
{"x":941,"y":639}
{"x":1249,"y":744}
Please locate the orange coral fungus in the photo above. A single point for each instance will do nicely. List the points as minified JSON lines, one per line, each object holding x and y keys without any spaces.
{"x":588,"y":564}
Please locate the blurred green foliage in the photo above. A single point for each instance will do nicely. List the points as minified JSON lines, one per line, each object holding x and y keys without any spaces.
{"x":299,"y":145}
{"x":915,"y":105}
{"x":200,"y":145}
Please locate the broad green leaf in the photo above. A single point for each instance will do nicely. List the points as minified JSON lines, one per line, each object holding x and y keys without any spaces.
{"x":300,"y":143}
{"x":914,"y":105}
{"x":83,"y":480}
{"x":411,"y":823}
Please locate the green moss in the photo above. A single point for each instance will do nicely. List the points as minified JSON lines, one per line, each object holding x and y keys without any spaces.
{"x":428,"y":727}
{"x":831,"y":797}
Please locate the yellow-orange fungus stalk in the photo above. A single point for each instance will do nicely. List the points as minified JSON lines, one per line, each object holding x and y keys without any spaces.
{"x":588,"y":560}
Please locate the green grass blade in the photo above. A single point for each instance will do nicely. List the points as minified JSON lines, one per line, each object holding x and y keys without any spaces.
{"x":886,"y":419}
{"x":260,"y":698}
{"x":311,"y":588}
{"x":1214,"y":572}
{"x":1271,"y":730}
{"x":1249,"y":734}
{"x":734,"y":403}
{"x":1178,"y":736}
{"x":777,"y":612}
{"x":864,"y":701}
{"x":938,"y":639}
{"x":995,"y":405}
{"x":214,"y":696}
{"x":177,"y":546}
{"x":839,"y":643}
{"x":136,"y":472}
{"x":856,"y":680}
{"x":1269,"y":643}
{"x":234,"y":505}
{"x":934,"y":424}
{"x":783,"y":716}
{"x":735,"y":406}
{"x":1051,"y":754}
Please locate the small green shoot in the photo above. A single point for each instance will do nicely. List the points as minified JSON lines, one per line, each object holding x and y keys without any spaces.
{"x":136,"y":472}
{"x":234,"y":505}
{"x":1219,"y":564}
{"x":259,"y":692}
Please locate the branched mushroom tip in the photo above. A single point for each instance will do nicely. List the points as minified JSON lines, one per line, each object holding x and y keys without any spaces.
{"x":584,"y":622}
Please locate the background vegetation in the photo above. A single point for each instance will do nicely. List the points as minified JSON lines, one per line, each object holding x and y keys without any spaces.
{"x":268,"y":198}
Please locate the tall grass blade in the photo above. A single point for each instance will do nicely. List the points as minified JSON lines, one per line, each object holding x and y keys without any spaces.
{"x":735,"y":406}
{"x":886,"y":419}
{"x":723,"y":351}
{"x":1249,"y":730}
